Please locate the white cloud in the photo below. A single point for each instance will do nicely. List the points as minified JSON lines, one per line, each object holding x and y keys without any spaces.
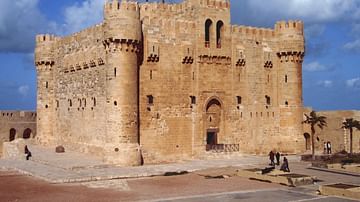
{"x":353,"y":83}
{"x":24,"y":90}
{"x":315,"y":67}
{"x":80,"y":16}
{"x":353,"y":46}
{"x":325,"y":83}
{"x":309,"y":10}
{"x":20,"y":21}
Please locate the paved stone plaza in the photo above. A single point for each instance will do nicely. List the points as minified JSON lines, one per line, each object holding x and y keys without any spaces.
{"x":148,"y":183}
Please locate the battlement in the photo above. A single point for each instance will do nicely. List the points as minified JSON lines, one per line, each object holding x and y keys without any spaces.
{"x":219,"y":4}
{"x":175,"y":7}
{"x":116,"y":5}
{"x":294,"y":27}
{"x":93,"y":30}
{"x":46,"y":38}
{"x":253,"y":32}
{"x":18,"y":115}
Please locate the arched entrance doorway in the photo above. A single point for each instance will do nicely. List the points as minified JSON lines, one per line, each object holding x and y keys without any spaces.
{"x":12,"y":134}
{"x":213,"y":122}
{"x":307,"y":141}
{"x":27,"y":133}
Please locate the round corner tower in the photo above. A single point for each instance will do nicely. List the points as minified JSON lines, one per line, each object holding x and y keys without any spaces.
{"x":122,"y":42}
{"x":44,"y":62}
{"x":290,"y":54}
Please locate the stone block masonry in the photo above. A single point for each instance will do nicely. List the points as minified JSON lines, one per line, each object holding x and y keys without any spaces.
{"x":159,"y":82}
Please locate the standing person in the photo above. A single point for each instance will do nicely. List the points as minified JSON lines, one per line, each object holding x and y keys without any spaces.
{"x":272,"y":157}
{"x":329,"y":147}
{"x":325,"y":148}
{"x":285,"y":165}
{"x":27,"y":152}
{"x":277,"y":158}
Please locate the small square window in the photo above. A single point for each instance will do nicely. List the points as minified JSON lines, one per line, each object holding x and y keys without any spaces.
{"x":150,"y":99}
{"x":238,"y":99}
{"x":193,"y":99}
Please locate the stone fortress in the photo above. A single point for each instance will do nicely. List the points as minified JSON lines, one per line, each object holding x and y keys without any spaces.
{"x":161,"y":82}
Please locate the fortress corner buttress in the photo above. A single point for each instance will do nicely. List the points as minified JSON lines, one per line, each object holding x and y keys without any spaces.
{"x":122,"y":42}
{"x":290,"y":56}
{"x":44,"y":62}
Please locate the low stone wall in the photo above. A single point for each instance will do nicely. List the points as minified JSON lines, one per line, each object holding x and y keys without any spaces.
{"x":342,"y":190}
{"x":15,"y":149}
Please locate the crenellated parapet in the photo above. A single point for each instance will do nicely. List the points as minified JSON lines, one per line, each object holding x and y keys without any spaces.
{"x":290,"y":28}
{"x":253,"y":32}
{"x":44,"y":50}
{"x":218,"y":4}
{"x":291,"y":43}
{"x":119,"y":15}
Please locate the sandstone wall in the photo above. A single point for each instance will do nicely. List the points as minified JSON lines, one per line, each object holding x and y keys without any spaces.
{"x":174,"y":78}
{"x":339,"y":138}
{"x":16,"y":124}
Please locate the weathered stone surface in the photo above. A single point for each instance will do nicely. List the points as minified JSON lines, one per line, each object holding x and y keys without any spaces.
{"x":16,"y":124}
{"x":276,"y":176}
{"x":333,"y":133}
{"x":60,"y":149}
{"x":14,"y":149}
{"x":183,"y":71}
{"x":342,"y":190}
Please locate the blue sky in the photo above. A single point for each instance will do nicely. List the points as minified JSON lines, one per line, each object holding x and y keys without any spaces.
{"x":331,"y":70}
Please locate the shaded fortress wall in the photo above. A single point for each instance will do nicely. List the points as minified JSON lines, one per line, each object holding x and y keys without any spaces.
{"x":16,"y":124}
{"x":79,"y":94}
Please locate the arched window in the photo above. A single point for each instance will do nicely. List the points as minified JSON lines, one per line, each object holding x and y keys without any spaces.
{"x":12,"y":134}
{"x":208,"y":25}
{"x":27,"y":133}
{"x":219,"y":33}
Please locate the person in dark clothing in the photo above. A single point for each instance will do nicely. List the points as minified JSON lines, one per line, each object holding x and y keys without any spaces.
{"x":277,"y":155}
{"x":285,"y":165}
{"x":328,"y":145}
{"x":272,"y":157}
{"x":27,"y":152}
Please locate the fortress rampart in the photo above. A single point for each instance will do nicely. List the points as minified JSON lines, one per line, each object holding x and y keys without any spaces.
{"x":162,"y":82}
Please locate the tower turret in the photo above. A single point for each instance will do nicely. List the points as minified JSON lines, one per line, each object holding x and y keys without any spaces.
{"x":290,"y":57}
{"x":44,"y":62}
{"x":122,"y":41}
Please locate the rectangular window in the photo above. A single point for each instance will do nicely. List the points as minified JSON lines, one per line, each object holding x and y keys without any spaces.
{"x":193,"y":99}
{"x":238,"y":99}
{"x":268,"y":99}
{"x":150,"y":99}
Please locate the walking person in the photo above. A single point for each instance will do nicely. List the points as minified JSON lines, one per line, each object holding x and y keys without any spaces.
{"x":27,"y":152}
{"x":277,"y":155}
{"x":325,"y":148}
{"x":272,"y":158}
